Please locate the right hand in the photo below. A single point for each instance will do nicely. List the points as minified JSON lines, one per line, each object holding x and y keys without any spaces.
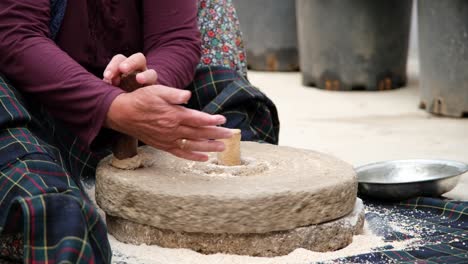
{"x":122,"y":65}
{"x":154,"y":115}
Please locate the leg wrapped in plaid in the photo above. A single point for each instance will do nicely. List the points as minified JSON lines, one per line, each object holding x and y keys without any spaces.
{"x":39,"y":199}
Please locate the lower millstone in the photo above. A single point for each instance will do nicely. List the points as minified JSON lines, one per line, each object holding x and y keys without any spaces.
{"x":329,"y":236}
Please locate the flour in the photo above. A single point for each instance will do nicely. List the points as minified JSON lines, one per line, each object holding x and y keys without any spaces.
{"x":143,"y":254}
{"x":249,"y":167}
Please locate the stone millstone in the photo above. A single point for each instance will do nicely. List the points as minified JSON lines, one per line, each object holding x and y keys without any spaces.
{"x":330,"y":236}
{"x":276,"y":189}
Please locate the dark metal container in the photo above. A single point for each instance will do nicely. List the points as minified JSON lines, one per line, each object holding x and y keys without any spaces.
{"x":354,"y":44}
{"x":270,"y":34}
{"x":443,"y":49}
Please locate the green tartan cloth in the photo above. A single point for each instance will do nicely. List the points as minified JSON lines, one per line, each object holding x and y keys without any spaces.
{"x":44,"y":212}
{"x":219,"y":90}
{"x":40,"y":199}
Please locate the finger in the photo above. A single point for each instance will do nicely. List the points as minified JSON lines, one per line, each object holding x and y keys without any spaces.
{"x":194,"y":118}
{"x":189,"y":155}
{"x":203,"y":133}
{"x":148,"y":77}
{"x":200,"y":145}
{"x":112,"y":69}
{"x":172,"y":95}
{"x":136,"y":62}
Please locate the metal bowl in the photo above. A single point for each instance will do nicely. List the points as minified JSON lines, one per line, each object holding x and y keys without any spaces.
{"x":403,"y":179}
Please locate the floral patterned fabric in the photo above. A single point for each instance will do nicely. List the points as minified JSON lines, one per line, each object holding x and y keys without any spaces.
{"x":222,"y":43}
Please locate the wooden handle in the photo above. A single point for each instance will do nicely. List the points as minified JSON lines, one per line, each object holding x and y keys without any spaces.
{"x":129,"y":83}
{"x":126,"y":146}
{"x":231,"y":155}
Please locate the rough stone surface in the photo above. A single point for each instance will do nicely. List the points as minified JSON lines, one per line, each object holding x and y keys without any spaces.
{"x":277,"y":188}
{"x":322,"y":237}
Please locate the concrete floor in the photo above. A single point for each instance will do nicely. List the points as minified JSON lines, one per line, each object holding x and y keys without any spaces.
{"x":364,"y":127}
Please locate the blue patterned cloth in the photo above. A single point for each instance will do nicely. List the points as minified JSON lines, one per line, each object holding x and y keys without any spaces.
{"x":439,"y":229}
{"x":57,"y":10}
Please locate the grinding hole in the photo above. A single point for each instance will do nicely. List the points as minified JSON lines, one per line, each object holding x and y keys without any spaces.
{"x":249,"y":167}
{"x":215,"y":162}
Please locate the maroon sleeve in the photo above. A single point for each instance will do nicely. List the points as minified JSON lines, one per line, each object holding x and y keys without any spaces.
{"x":172,"y":41}
{"x":42,"y":71}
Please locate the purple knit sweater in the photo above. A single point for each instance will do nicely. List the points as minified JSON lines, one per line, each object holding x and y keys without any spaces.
{"x":66,"y":76}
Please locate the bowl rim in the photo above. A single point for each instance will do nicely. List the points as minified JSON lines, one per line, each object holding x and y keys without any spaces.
{"x":458,"y":164}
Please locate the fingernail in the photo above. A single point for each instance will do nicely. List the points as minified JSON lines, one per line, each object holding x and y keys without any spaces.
{"x":125,"y":66}
{"x":183,"y":100}
{"x":107,"y":74}
{"x":221,"y":119}
{"x":221,"y":148}
{"x":228,"y":133}
{"x":141,"y":77}
{"x":185,"y":97}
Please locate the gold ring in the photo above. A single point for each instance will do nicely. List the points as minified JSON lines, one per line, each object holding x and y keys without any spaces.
{"x":182,"y":143}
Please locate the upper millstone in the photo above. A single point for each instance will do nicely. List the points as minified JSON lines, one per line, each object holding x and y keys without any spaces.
{"x":284,"y":188}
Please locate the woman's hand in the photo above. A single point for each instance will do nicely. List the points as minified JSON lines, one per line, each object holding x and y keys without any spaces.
{"x":122,"y":65}
{"x":153,"y":115}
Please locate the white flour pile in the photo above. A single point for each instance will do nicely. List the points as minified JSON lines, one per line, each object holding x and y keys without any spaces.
{"x":144,"y":254}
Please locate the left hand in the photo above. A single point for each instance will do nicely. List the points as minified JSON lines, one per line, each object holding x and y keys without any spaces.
{"x":122,"y":65}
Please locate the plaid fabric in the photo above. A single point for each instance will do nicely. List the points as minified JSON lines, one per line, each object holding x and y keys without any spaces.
{"x":440,"y":229}
{"x":220,"y":90}
{"x":42,"y":165}
{"x":38,"y":196}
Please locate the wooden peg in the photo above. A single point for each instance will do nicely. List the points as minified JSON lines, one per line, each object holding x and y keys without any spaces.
{"x":126,"y":146}
{"x":231,"y":155}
